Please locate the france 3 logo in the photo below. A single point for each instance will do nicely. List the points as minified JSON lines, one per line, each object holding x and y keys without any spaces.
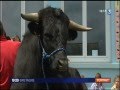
{"x":108,"y":11}
{"x":15,"y":80}
{"x":22,"y":80}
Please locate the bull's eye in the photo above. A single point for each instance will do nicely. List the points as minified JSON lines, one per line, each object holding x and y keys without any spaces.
{"x":48,"y":36}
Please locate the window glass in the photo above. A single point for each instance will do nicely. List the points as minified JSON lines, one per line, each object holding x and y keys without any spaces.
{"x":0,"y":11}
{"x":33,"y":7}
{"x":96,"y":37}
{"x":11,"y":18}
{"x":74,"y":12}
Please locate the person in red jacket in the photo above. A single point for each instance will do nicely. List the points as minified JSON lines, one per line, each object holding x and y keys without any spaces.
{"x":8,"y":52}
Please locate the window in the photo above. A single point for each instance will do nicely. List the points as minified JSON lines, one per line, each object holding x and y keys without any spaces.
{"x":10,"y":17}
{"x":0,"y":10}
{"x":92,"y":46}
{"x":29,"y":7}
{"x":10,"y":12}
{"x":75,"y":45}
{"x":33,"y":7}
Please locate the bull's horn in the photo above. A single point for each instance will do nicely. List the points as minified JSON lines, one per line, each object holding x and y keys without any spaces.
{"x":77,"y":27}
{"x":30,"y":17}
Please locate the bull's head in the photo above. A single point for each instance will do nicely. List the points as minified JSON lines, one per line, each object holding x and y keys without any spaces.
{"x":55,"y":29}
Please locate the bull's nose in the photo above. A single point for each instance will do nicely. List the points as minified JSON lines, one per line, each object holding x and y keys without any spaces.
{"x":62,"y":65}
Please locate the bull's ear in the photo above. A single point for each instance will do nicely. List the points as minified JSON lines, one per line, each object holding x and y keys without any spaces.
{"x":72,"y":34}
{"x":33,"y":27}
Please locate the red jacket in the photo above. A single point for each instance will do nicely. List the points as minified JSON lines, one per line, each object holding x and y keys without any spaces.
{"x":8,"y":51}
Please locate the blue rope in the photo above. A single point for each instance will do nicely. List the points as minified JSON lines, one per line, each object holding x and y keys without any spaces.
{"x":46,"y":56}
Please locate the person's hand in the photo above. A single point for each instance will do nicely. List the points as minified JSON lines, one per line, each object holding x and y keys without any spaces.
{"x":16,"y":38}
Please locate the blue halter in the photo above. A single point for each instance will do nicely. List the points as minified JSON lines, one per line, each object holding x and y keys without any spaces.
{"x":47,"y":56}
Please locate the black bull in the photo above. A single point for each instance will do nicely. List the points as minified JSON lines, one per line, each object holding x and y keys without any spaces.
{"x":49,"y":30}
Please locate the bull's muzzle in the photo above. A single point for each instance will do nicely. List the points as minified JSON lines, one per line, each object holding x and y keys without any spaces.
{"x":62,"y":65}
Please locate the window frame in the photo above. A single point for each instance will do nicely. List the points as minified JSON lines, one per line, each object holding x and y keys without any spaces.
{"x":92,"y":59}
